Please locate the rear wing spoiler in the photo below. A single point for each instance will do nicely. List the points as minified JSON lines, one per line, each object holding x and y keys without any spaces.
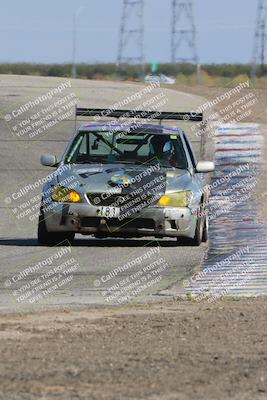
{"x":154,"y":115}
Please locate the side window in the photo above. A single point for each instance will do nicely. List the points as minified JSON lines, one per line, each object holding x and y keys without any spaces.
{"x":190,"y":151}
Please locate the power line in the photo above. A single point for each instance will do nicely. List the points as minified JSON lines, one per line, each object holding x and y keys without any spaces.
{"x":183,"y":37}
{"x":131,"y":43}
{"x":260,"y":39}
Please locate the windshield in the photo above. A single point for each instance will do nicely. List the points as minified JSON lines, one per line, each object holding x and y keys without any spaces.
{"x":121,"y":147}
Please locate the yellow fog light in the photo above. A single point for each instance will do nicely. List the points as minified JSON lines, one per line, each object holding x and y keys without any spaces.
{"x":179,"y":199}
{"x":74,"y":197}
{"x":65,"y":195}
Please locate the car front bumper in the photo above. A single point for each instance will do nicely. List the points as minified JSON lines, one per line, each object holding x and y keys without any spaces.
{"x":150,"y":221}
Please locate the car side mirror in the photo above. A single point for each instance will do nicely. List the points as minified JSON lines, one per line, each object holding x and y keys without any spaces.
{"x":205,"y":166}
{"x":48,"y":160}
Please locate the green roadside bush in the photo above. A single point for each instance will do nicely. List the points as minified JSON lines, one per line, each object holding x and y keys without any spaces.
{"x":211,"y":74}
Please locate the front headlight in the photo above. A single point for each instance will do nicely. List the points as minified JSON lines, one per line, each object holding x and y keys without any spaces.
{"x":62,"y":194}
{"x":179,"y":199}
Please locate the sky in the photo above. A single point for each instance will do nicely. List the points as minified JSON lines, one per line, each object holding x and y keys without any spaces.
{"x":42,"y":31}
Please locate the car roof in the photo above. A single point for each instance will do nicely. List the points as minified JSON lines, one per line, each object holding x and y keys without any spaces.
{"x":124,"y":127}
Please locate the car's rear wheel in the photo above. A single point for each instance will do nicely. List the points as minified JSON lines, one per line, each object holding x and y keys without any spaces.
{"x":52,"y":238}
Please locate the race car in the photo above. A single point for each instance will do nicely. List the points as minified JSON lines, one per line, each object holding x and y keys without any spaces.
{"x":126,"y":179}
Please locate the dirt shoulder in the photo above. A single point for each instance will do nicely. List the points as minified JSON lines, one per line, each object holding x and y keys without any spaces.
{"x":177,"y":350}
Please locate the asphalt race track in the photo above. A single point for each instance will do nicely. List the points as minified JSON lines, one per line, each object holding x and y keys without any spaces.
{"x":89,"y":260}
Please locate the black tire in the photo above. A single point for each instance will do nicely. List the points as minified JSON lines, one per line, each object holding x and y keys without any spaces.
{"x":205,"y":236}
{"x":52,"y":238}
{"x":197,"y":239}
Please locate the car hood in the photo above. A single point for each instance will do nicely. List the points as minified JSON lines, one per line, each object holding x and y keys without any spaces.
{"x":101,"y":178}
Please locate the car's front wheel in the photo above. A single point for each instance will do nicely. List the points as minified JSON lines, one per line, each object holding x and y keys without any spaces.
{"x":205,"y":236}
{"x":200,"y":232}
{"x":52,"y":238}
{"x":197,"y":239}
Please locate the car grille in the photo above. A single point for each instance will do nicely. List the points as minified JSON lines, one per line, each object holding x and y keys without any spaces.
{"x":114,"y":200}
{"x":142,"y":223}
{"x":97,"y":199}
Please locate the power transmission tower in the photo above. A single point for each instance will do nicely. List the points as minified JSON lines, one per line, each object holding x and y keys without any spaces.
{"x":131,"y":43}
{"x":260,"y":39}
{"x":183,"y":41}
